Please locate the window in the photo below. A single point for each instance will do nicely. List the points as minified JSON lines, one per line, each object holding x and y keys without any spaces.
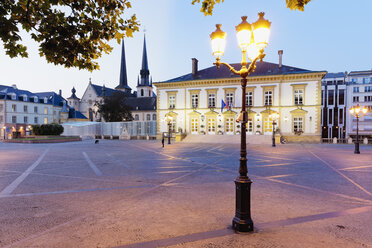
{"x":36,"y":99}
{"x":268,"y":98}
{"x":35,"y":109}
{"x":1,"y":107}
{"x":366,"y":80}
{"x":25,"y":119}
{"x":368,"y":89}
{"x":142,"y":93}
{"x":298,"y":96}
{"x":322,"y":97}
{"x":341,"y":117}
{"x":341,"y":97}
{"x":331,"y":94}
{"x":14,"y":96}
{"x":368,"y":98}
{"x":136,"y":117}
{"x":249,"y":98}
{"x":172,"y":102}
{"x":211,"y":101}
{"x":230,"y":99}
{"x":330,"y":117}
{"x":298,"y":124}
{"x":90,"y":102}
{"x":355,"y":89}
{"x":36,"y":120}
{"x":154,"y":117}
{"x":14,"y":108}
{"x":14,"y":119}
{"x":148,"y":117}
{"x":194,"y":100}
{"x":24,"y":98}
{"x":355,"y":98}
{"x":45,"y":120}
{"x":25,"y":108}
{"x":150,"y":93}
{"x":1,"y":118}
{"x":46,"y":110}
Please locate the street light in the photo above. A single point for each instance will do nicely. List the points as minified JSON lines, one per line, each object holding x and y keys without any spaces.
{"x":169,"y":119}
{"x":357,"y":112}
{"x":252,"y":38}
{"x":274,"y":116}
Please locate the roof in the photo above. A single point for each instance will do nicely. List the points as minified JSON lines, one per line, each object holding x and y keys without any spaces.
{"x":54,"y":98}
{"x":108,"y":91}
{"x":141,"y":103}
{"x":361,"y":73}
{"x":262,"y":69}
{"x":74,"y":114}
{"x":335,"y":75}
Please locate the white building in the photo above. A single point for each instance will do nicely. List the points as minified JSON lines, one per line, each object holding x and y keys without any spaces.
{"x":194,"y":101}
{"x":20,"y":108}
{"x":359,"y":88}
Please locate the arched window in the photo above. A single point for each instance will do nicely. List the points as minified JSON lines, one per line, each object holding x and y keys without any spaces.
{"x":154,"y":117}
{"x":148,"y":117}
{"x":136,"y":117}
{"x":141,"y":92}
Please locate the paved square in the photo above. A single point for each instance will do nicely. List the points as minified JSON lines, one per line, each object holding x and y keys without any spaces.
{"x":138,"y":194}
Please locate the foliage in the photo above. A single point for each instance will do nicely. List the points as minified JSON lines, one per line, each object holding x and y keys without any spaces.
{"x":47,"y":129}
{"x":114,"y":108}
{"x":207,"y":6}
{"x":73,"y":33}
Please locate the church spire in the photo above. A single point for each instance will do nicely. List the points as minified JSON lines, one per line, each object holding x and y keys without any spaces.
{"x":145,"y":67}
{"x":123,"y":82}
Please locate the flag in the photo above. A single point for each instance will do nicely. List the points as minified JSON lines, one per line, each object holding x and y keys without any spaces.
{"x":227,"y":105}
{"x":223,"y":104}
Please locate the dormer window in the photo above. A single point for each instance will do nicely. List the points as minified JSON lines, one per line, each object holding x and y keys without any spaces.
{"x":24,"y":98}
{"x":13,"y":96}
{"x":36,"y":99}
{"x":45,"y":99}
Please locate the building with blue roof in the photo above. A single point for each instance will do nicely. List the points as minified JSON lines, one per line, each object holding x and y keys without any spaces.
{"x":208,"y":101}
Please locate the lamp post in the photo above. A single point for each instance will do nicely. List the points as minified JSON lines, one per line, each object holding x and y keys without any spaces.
{"x":274,"y":116}
{"x":357,"y":112}
{"x":252,"y":39}
{"x":169,"y":120}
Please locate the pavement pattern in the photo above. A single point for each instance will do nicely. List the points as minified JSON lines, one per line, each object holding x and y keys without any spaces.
{"x":138,"y":194}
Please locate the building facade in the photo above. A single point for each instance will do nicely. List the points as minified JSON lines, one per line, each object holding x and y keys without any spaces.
{"x":334,"y":102}
{"x":194,"y":101}
{"x":359,"y":87}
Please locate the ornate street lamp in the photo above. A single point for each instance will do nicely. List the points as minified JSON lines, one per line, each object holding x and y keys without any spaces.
{"x":357,"y":112}
{"x":252,"y":38}
{"x":169,"y":119}
{"x":274,"y":117}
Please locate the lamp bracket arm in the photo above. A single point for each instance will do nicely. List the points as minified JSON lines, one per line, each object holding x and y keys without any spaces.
{"x":218,"y":63}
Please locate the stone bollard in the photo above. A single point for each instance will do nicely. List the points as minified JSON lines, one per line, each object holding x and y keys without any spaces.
{"x":349,"y":140}
{"x":365,"y":141}
{"x":334,"y":140}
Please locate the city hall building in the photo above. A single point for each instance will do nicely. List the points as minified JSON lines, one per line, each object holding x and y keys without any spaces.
{"x":193,"y":101}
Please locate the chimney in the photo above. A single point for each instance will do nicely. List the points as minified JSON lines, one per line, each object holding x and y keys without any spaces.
{"x":194,"y":67}
{"x":60,"y":92}
{"x":14,"y":86}
{"x":280,"y":52}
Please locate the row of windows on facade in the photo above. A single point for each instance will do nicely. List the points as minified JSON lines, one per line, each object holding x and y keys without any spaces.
{"x":25,"y":109}
{"x":332,"y":117}
{"x":361,"y":80}
{"x":24,"y":98}
{"x":268,"y":99}
{"x":333,"y":98}
{"x":366,"y":89}
{"x":366,"y":99}
{"x":25,"y":120}
{"x":148,"y":117}
{"x":229,"y":125}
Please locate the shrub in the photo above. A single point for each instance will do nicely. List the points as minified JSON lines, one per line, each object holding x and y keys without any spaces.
{"x":47,"y":129}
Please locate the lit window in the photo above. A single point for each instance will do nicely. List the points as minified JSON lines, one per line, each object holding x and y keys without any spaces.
{"x":46,"y":110}
{"x":45,"y":120}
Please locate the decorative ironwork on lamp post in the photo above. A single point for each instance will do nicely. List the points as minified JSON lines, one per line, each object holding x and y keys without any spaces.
{"x":357,"y":112}
{"x":252,"y":39}
{"x":274,"y":117}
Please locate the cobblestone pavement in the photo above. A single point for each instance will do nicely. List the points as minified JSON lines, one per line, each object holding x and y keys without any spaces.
{"x":138,"y":194}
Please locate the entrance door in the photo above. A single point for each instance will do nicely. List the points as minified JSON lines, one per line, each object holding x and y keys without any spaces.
{"x":194,"y":125}
{"x":211,"y":125}
{"x":268,"y":125}
{"x":229,"y":124}
{"x":250,"y":127}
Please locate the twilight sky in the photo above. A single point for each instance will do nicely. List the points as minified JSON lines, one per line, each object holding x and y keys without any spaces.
{"x":332,"y":35}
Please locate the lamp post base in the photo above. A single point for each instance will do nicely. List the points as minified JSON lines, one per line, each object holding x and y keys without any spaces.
{"x":356,"y":150}
{"x":242,"y":221}
{"x":273,"y":142}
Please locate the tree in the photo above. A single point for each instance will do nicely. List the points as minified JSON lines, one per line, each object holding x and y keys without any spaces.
{"x":208,"y":5}
{"x":114,"y":108}
{"x":73,"y":33}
